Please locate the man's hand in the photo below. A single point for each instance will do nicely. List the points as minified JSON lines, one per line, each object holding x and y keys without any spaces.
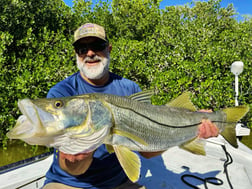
{"x":207,"y":129}
{"x":151,"y":154}
{"x":75,"y":164}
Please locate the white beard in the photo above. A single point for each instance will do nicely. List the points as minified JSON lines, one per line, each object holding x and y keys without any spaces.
{"x":97,"y":71}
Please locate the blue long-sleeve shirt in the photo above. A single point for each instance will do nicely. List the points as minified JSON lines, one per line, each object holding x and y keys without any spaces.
{"x":105,"y":171}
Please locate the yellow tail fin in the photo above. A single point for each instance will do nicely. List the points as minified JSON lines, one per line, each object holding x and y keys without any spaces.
{"x":234,"y":114}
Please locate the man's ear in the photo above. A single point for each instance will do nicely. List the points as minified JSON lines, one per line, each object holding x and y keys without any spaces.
{"x":110,"y":48}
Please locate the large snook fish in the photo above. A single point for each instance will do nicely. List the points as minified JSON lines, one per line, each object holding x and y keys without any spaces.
{"x":82,"y":123}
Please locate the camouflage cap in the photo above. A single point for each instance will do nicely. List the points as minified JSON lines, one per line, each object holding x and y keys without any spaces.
{"x":90,"y":30}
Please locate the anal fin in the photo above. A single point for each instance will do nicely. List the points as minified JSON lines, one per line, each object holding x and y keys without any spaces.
{"x":195,"y":145}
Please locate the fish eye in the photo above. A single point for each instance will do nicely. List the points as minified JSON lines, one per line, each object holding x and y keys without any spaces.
{"x":58,"y":104}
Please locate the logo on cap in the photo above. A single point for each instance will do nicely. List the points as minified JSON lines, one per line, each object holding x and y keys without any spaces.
{"x":90,"y":30}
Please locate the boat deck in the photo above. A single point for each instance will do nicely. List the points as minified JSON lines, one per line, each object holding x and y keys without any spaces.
{"x":166,"y":171}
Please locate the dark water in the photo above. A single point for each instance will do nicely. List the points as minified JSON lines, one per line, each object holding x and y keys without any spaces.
{"x":18,"y":150}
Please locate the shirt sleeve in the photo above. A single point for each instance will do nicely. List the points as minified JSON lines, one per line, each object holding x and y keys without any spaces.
{"x":60,"y":90}
{"x":54,"y":92}
{"x":137,"y":88}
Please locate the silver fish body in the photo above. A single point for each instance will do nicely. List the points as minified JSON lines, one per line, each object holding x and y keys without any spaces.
{"x":82,"y":123}
{"x":161,"y":127}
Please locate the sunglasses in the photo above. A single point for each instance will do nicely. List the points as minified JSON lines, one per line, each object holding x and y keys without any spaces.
{"x":96,"y":47}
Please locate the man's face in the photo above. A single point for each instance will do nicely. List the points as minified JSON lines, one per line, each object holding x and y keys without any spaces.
{"x":93,"y":57}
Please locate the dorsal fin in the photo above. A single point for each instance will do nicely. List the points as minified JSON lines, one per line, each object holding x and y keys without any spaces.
{"x":143,"y":96}
{"x":182,"y":101}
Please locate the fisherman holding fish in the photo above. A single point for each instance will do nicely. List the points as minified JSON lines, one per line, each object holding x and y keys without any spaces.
{"x":96,"y":169}
{"x":96,"y":119}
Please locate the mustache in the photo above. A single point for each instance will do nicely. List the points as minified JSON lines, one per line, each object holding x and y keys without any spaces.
{"x":95,"y":58}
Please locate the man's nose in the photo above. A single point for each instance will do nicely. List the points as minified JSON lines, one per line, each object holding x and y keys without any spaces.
{"x":90,"y":53}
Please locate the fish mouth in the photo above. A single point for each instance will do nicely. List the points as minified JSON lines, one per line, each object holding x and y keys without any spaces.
{"x":28,"y":110}
{"x":28,"y":124}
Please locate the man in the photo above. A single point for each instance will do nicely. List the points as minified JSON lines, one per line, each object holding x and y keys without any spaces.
{"x":97,"y":169}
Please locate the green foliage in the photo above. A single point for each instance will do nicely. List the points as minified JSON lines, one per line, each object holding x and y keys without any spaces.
{"x":189,"y":48}
{"x":135,"y":19}
{"x":35,"y":51}
{"x":171,"y":50}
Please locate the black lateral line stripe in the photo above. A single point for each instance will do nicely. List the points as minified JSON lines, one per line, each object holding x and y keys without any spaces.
{"x":171,"y":126}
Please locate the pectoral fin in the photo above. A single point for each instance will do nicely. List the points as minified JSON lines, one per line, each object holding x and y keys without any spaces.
{"x":130,"y":136}
{"x":195,"y":145}
{"x":129,"y":161}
